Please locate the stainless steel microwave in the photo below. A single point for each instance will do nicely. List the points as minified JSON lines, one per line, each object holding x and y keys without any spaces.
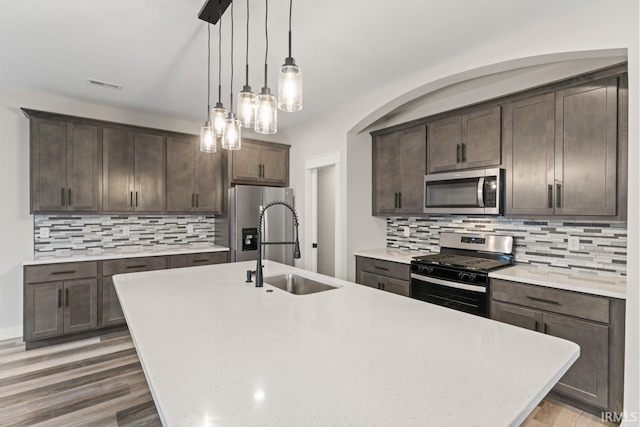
{"x":474,"y":192}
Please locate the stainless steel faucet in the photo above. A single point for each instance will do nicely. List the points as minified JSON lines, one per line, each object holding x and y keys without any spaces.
{"x":296,"y":243}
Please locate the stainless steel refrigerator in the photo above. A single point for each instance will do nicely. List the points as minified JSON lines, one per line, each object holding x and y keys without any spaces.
{"x":246,"y":203}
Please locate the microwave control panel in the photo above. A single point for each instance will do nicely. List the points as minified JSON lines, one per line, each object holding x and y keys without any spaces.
{"x":490,"y":192}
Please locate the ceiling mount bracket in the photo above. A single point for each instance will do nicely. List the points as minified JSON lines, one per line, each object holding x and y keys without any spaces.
{"x":209,"y":11}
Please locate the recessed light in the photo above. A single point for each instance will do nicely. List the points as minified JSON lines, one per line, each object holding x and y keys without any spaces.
{"x":101,"y":83}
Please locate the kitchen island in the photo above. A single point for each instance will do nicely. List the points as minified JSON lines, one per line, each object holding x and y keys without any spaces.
{"x":218,"y":351}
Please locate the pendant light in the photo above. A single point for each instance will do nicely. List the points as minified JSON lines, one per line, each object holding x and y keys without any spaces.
{"x":266,"y":103}
{"x":219,"y":114}
{"x":207,"y":138}
{"x":290,"y":80}
{"x":246,"y":98}
{"x":231,"y":134}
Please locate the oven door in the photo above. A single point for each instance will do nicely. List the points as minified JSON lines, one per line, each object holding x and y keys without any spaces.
{"x":469,"y":298}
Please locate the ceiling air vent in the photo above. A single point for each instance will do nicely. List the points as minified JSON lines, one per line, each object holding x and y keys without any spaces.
{"x":101,"y":83}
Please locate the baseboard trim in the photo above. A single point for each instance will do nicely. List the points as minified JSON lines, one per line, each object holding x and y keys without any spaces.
{"x":10,"y":333}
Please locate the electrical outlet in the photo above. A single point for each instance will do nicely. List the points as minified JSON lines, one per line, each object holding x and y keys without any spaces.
{"x":190,"y":228}
{"x":574,"y":243}
{"x":125,"y":230}
{"x":44,"y":233}
{"x":406,"y":231}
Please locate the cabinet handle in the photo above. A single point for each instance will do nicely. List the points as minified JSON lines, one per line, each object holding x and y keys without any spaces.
{"x":395,"y":203}
{"x":193,"y":200}
{"x":197,"y":200}
{"x":200,"y":260}
{"x":136,"y":199}
{"x":550,"y":196}
{"x":259,"y":171}
{"x":558,"y":195}
{"x":69,"y":197}
{"x":382,"y":284}
{"x":62,"y":196}
{"x":458,"y":153}
{"x":64,"y":272}
{"x":137,"y":266}
{"x":131,"y":199}
{"x":464,"y":149}
{"x":66,"y":297}
{"x":263,"y":170}
{"x":543,"y":300}
{"x":536,"y":327}
{"x":546,"y":328}
{"x":379,"y":285}
{"x":380,"y":268}
{"x":59,"y":298}
{"x":400,"y":200}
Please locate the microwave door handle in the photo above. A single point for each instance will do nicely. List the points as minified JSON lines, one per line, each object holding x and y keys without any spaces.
{"x":480,"y":192}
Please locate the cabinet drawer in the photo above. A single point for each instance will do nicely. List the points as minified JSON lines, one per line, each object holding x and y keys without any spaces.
{"x":558,"y":301}
{"x":191,"y":260}
{"x":59,"y":272}
{"x":395,"y":286}
{"x":385,"y":268}
{"x":132,"y":265}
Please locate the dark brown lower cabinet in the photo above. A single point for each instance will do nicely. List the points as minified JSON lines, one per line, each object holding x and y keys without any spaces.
{"x":194,"y":260}
{"x":384,"y":275}
{"x":111,"y":310}
{"x":595,"y":323}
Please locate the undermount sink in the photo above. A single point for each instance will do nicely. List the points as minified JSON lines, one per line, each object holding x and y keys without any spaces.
{"x":297,"y":285}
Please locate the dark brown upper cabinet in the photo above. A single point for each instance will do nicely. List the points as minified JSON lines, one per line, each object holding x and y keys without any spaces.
{"x":466,"y":141}
{"x":562,"y":152}
{"x":399,"y":163}
{"x":260,"y":163}
{"x":194,"y":178}
{"x":133,"y":171}
{"x":65,"y":167}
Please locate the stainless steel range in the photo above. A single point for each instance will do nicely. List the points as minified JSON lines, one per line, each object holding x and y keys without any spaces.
{"x":458,"y":276}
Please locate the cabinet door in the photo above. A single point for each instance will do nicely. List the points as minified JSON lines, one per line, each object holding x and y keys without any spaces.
{"x":118,"y":170}
{"x":208,"y":181}
{"x":275,"y":165}
{"x":371,"y":280}
{"x":48,"y":165}
{"x":80,"y":305}
{"x":180,"y":174}
{"x":517,"y":316}
{"x":111,"y":309}
{"x":395,"y":286}
{"x":529,"y":155}
{"x":481,"y":138}
{"x":444,"y":144}
{"x":588,"y":378}
{"x":83,"y":168}
{"x":586,"y":149}
{"x":411,"y":169}
{"x":246,"y":164}
{"x":385,"y":179}
{"x":43,"y":313}
{"x":150,"y":173}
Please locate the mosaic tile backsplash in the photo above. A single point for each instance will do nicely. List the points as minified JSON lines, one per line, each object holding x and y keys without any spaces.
{"x":603,"y":246}
{"x":99,"y":232}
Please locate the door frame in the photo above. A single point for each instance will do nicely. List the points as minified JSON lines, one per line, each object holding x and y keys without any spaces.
{"x":311,"y":166}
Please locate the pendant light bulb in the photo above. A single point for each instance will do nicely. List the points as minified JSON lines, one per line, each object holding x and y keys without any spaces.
{"x":232,"y":133}
{"x":247,"y":107}
{"x":266,"y":112}
{"x":290,"y":87}
{"x":207,"y":139}
{"x":218,"y":119}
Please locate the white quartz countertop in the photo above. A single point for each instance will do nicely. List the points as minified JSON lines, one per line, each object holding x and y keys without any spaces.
{"x":403,"y":256}
{"x":218,"y":351}
{"x":608,"y":286}
{"x":60,"y":257}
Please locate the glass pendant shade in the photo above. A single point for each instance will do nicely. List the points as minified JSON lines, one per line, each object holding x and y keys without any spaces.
{"x":231,"y":135}
{"x":218,"y":119}
{"x":207,"y":139}
{"x":266,"y":113}
{"x":246,"y":108}
{"x":290,"y":87}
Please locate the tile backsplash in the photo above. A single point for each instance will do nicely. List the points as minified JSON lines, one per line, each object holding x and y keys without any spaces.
{"x":603,"y":246}
{"x":99,"y":232}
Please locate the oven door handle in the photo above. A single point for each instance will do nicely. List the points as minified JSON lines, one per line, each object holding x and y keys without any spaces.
{"x":441,"y":282}
{"x":480,"y":192}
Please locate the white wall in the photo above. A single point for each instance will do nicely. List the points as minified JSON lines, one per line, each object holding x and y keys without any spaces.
{"x":603,"y":29}
{"x":16,"y":224}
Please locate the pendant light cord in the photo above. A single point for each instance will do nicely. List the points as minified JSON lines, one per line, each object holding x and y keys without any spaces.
{"x":247,"y":53}
{"x":266,"y":35}
{"x":208,"y":68}
{"x":219,"y":52}
{"x":290,"y":10}
{"x":231,"y":88}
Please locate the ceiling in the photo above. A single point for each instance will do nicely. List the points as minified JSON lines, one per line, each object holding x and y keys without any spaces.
{"x":157,"y":48}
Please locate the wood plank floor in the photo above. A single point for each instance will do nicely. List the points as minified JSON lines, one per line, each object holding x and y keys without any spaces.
{"x":99,"y":382}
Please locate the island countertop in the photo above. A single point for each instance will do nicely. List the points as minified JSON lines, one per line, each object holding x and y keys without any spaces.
{"x":218,"y":351}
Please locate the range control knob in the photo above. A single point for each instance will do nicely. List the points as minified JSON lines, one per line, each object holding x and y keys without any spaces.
{"x":461,"y":275}
{"x":472,"y":277}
